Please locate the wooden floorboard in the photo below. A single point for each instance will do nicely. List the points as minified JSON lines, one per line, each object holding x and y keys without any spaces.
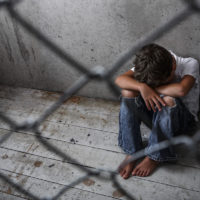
{"x":87,"y":130}
{"x":65,"y":173}
{"x":47,"y":189}
{"x":92,"y":113}
{"x":26,"y":142}
{"x":172,"y":174}
{"x":94,"y":139}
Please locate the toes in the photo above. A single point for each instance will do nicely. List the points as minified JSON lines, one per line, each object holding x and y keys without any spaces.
{"x":122,"y":172}
{"x":146,"y":173}
{"x":135,"y":171}
{"x":139,"y":173}
{"x":143,"y":173}
{"x":126,"y":175}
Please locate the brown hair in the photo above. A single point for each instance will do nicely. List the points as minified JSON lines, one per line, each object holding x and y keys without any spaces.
{"x":153,"y":65}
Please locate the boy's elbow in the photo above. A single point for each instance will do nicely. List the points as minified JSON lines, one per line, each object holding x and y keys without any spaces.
{"x":118,"y":80}
{"x":183,"y":92}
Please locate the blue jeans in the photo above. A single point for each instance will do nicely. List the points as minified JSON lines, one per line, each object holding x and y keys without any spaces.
{"x":167,"y":123}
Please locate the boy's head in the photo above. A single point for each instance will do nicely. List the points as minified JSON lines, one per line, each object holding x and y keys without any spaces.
{"x":153,"y":65}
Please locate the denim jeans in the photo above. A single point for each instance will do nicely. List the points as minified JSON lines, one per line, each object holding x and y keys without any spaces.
{"x":167,"y":123}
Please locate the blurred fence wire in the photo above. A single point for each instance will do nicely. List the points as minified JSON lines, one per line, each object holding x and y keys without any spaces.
{"x":98,"y":73}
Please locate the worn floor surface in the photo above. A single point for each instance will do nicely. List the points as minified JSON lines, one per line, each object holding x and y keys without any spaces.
{"x":87,"y":130}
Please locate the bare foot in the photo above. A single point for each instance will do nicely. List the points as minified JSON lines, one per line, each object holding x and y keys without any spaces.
{"x":145,"y":168}
{"x":125,"y":172}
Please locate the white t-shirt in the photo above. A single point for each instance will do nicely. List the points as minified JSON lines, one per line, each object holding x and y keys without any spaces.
{"x":188,"y":66}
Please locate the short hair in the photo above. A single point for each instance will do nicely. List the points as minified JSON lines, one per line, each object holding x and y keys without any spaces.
{"x":153,"y":65}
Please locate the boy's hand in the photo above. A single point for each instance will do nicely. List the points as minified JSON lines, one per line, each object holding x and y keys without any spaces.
{"x":150,"y":97}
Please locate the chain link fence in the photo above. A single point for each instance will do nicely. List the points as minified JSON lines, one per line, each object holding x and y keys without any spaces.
{"x":97,"y":73}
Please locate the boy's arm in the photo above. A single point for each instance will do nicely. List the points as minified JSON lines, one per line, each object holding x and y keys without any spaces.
{"x":150,"y":96}
{"x":127,"y":81}
{"x":177,"y":89}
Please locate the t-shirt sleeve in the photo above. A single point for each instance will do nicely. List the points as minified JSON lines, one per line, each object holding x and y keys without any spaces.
{"x":191,"y":67}
{"x":133,"y":69}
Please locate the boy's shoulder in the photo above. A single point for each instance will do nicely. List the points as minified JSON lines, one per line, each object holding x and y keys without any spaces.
{"x":189,"y":66}
{"x":185,"y":60}
{"x":186,"y":66}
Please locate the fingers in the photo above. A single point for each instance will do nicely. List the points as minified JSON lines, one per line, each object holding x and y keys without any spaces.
{"x":161,"y":100}
{"x":155,"y":101}
{"x":147,"y":104}
{"x":152,"y":105}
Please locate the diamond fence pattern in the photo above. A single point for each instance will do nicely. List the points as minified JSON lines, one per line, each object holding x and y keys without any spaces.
{"x":97,"y":73}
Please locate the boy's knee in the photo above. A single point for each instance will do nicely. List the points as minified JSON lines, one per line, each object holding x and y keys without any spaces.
{"x":129,"y":93}
{"x":170,"y":101}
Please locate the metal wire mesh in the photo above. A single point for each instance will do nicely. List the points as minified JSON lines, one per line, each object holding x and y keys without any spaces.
{"x":97,"y":73}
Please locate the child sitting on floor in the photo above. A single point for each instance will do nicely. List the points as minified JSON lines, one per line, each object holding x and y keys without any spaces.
{"x":165,"y":88}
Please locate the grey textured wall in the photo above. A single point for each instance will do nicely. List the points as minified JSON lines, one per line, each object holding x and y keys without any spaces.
{"x":95,"y":32}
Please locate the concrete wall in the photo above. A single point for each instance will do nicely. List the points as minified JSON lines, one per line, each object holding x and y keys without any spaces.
{"x":95,"y":32}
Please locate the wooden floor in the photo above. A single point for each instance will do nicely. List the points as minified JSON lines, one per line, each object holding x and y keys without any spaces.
{"x":87,"y":130}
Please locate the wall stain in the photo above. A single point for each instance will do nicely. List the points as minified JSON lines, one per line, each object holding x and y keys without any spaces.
{"x":22,"y":48}
{"x":9,"y":50}
{"x":7,"y":47}
{"x":7,"y":22}
{"x":33,"y":52}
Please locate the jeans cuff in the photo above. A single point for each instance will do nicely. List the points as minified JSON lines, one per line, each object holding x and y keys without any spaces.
{"x":166,"y":159}
{"x":129,"y":152}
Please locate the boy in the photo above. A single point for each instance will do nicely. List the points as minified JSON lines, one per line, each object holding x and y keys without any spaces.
{"x":165,"y":88}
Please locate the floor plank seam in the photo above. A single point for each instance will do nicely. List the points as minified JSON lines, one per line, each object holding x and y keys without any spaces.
{"x":48,"y":138}
{"x":22,"y":197}
{"x":69,"y":109}
{"x":168,"y":184}
{"x":57,"y":183}
{"x":59,"y":122}
{"x":102,"y":170}
{"x":139,"y":178}
{"x":53,"y":159}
